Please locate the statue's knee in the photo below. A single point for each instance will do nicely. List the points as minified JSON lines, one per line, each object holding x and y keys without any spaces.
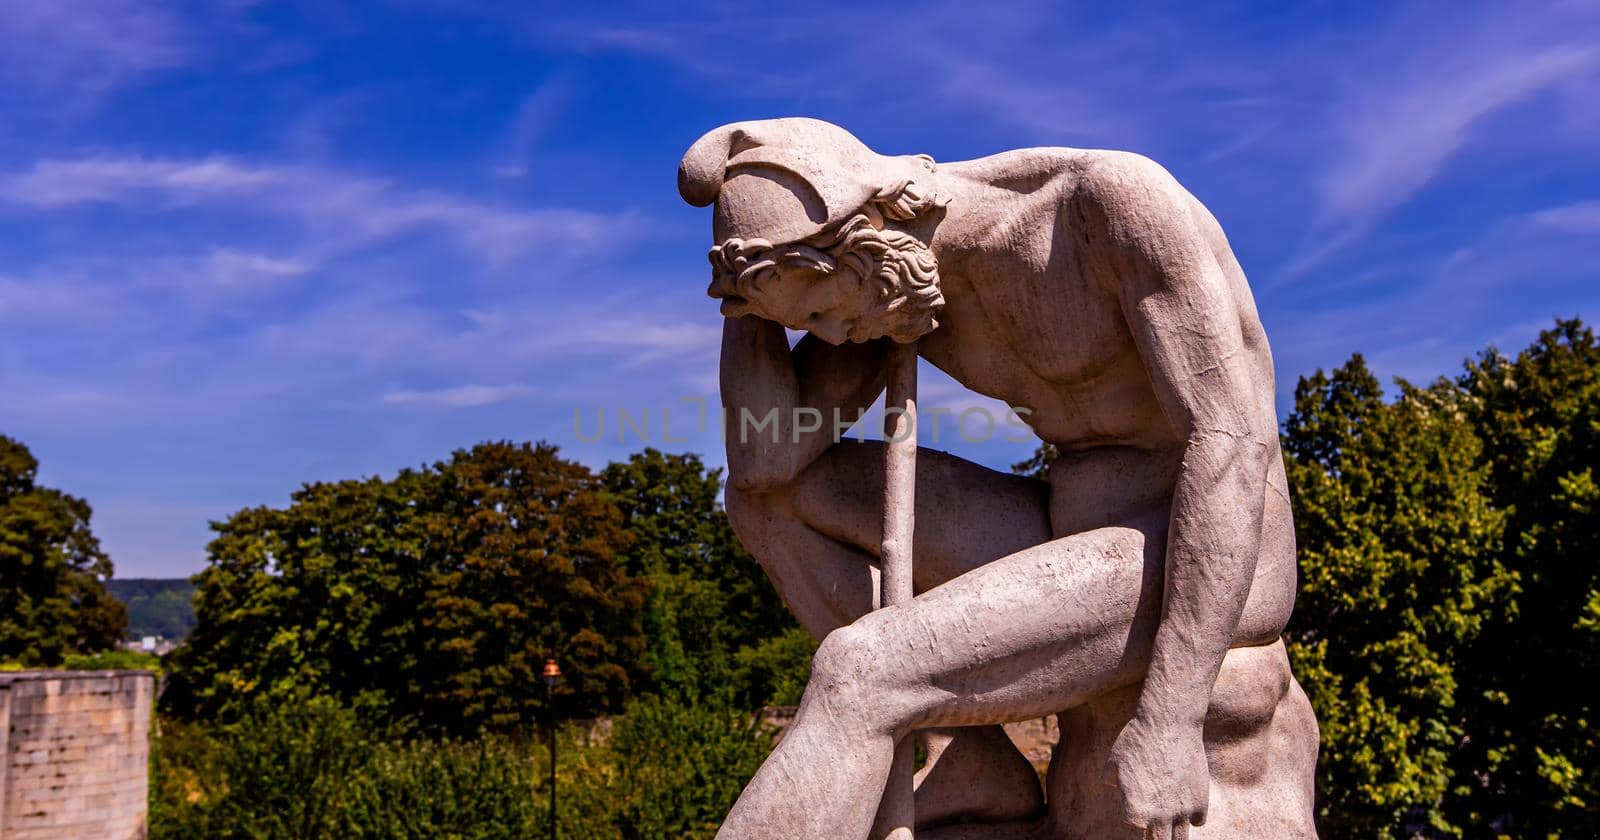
{"x":851,"y":673}
{"x":750,"y":513}
{"x":841,"y":660}
{"x":847,"y":668}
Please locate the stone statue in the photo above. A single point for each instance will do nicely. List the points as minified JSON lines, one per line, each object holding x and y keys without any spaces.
{"x":1139,"y":593}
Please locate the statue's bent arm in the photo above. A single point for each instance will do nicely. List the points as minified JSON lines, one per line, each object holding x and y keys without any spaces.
{"x":1187,"y":326}
{"x":760,"y":375}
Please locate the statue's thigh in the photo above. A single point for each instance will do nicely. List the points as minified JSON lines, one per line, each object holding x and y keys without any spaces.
{"x":967,"y":514}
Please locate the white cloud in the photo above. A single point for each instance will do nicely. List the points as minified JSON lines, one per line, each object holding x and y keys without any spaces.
{"x":345,"y":210}
{"x":1398,"y":143}
{"x":90,"y":45}
{"x":1398,"y":128}
{"x":461,"y":396}
{"x":538,"y":111}
{"x":235,"y":269}
{"x":640,"y":339}
{"x":136,"y":293}
{"x":61,"y":183}
{"x":1582,"y":217}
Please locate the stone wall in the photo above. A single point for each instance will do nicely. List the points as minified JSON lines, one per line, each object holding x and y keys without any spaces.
{"x":74,"y":754}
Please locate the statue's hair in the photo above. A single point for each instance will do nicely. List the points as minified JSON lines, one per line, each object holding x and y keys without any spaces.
{"x":900,"y":264}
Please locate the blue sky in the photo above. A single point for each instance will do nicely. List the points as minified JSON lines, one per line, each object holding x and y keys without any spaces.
{"x":247,"y":245}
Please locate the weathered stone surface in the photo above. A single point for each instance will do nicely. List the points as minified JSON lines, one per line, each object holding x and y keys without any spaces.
{"x":74,"y":754}
{"x":1138,"y":593}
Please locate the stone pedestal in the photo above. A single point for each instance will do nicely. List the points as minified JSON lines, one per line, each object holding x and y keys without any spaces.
{"x":1261,"y":746}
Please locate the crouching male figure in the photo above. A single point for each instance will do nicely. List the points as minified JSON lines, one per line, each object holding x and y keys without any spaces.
{"x":1139,"y":592}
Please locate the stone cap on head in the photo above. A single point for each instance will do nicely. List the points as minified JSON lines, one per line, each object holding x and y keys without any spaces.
{"x":784,"y":180}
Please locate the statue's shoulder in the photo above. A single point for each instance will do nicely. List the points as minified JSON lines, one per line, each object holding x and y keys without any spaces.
{"x":1023,"y":170}
{"x":1127,"y":188}
{"x":1065,"y":172}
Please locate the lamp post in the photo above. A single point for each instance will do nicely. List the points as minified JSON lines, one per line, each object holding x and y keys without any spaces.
{"x":552,"y":675}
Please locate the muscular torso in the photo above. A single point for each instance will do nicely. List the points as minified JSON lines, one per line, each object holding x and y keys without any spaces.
{"x":1049,"y":334}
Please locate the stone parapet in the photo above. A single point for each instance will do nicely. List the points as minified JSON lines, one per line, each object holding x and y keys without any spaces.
{"x":74,"y":754}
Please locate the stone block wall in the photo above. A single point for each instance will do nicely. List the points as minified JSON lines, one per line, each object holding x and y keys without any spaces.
{"x":74,"y":754}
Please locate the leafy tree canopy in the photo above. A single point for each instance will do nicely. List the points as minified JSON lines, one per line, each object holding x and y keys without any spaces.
{"x":711,"y":606}
{"x":156,"y":607}
{"x":432,"y":598}
{"x":53,"y":599}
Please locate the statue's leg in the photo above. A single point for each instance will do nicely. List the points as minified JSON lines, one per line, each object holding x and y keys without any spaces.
{"x":818,"y":537}
{"x":1040,"y":630}
{"x":818,"y":541}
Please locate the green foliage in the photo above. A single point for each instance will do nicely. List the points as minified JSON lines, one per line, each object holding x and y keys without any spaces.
{"x":53,"y":599}
{"x":668,"y":770}
{"x":710,"y":603}
{"x":778,"y":668}
{"x":483,"y":789}
{"x":1400,"y":573}
{"x":113,"y":660}
{"x":156,"y":607}
{"x":1538,"y":744}
{"x":433,"y":598}
{"x":284,"y":771}
{"x":1038,"y":464}
{"x":308,"y":768}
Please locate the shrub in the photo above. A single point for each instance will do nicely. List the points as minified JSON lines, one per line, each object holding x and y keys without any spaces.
{"x":310,"y":769}
{"x":113,"y":660}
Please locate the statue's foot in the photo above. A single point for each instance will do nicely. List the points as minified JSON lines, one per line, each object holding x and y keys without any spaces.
{"x":974,"y":774}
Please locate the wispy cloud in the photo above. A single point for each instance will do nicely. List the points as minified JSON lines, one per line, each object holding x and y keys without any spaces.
{"x":461,"y":396}
{"x":536,"y":114}
{"x":1400,"y":126}
{"x":348,"y":210}
{"x":1581,"y":217}
{"x":58,"y":183}
{"x":90,"y":45}
{"x":1419,"y":321}
{"x":639,"y":339}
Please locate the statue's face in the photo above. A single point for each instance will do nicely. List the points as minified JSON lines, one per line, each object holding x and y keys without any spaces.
{"x":865,"y":283}
{"x":835,"y":306}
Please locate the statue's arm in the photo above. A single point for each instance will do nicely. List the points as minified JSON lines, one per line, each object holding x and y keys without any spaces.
{"x":1186,"y":323}
{"x":762,"y":378}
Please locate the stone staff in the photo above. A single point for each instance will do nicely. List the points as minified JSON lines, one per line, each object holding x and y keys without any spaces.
{"x":896,"y":814}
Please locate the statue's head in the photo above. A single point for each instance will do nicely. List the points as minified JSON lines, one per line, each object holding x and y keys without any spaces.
{"x":811,"y":229}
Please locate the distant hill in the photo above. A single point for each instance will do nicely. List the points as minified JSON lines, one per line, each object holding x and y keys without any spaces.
{"x":156,"y":606}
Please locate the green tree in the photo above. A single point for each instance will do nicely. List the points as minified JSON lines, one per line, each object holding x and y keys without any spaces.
{"x":710,"y":603}
{"x":1400,"y":574}
{"x":532,"y":567}
{"x":53,"y":599}
{"x":670,"y":769}
{"x":432,"y":598}
{"x":156,"y":607}
{"x":326,"y":593}
{"x":1538,"y":746}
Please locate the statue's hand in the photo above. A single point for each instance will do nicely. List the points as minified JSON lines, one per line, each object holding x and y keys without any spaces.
{"x":1162,"y":773}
